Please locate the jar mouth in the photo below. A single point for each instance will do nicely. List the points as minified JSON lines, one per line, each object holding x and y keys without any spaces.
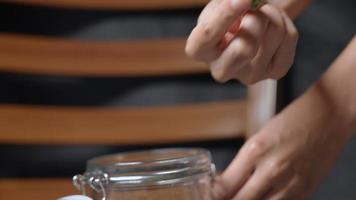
{"x":153,"y":167}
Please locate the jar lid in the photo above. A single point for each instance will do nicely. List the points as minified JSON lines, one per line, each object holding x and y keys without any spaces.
{"x":148,"y":168}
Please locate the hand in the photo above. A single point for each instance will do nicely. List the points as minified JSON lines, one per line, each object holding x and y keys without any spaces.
{"x":289,"y":157}
{"x":241,"y":44}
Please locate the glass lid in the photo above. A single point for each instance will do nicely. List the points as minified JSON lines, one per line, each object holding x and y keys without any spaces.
{"x":152,"y":167}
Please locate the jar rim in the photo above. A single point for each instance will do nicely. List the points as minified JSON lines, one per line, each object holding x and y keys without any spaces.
{"x":152,"y":167}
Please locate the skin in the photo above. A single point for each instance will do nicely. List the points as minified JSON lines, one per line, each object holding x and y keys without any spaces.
{"x":241,"y":44}
{"x":290,"y":156}
{"x":294,"y":152}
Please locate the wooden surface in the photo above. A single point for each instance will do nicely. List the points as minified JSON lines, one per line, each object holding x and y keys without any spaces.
{"x":115,"y":4}
{"x":55,"y":56}
{"x":35,"y":189}
{"x":85,"y":125}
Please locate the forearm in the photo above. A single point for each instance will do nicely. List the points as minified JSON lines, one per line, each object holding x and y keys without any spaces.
{"x":339,"y":84}
{"x":292,"y":7}
{"x":329,"y":106}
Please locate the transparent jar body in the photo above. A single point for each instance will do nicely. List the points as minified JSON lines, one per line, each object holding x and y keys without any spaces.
{"x":169,"y":174}
{"x":193,"y":191}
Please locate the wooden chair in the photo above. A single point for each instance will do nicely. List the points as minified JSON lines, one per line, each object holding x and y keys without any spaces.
{"x":50,"y":125}
{"x":114,"y":5}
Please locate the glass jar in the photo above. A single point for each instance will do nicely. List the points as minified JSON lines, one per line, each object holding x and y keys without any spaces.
{"x":174,"y":174}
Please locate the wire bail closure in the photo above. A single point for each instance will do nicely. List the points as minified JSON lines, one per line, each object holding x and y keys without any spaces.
{"x":97,"y":180}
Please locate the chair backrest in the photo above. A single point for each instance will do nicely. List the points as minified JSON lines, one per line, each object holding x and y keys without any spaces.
{"x":88,"y":125}
{"x":115,"y":4}
{"x":60,"y":56}
{"x":78,"y":125}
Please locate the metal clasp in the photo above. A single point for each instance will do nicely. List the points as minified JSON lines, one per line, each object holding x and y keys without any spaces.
{"x":97,"y":180}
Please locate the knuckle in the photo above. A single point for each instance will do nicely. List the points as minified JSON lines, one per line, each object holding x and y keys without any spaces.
{"x":249,"y":20}
{"x":219,"y":74}
{"x":278,"y":31}
{"x":236,"y":49}
{"x":256,"y":148}
{"x":274,"y":14}
{"x":294,"y":33}
{"x":198,"y":41}
{"x":278,"y":22}
{"x":219,"y":78}
{"x":244,"y":81}
{"x":274,"y":168}
{"x":193,"y":45}
{"x":279,"y":72}
{"x":281,"y":29}
{"x":256,"y":75}
{"x":244,"y":50}
{"x":283,"y":72}
{"x":277,"y":76}
{"x":250,"y":49}
{"x":190,"y":50}
{"x":250,"y":80}
{"x":271,"y":70}
{"x":291,"y":34}
{"x":228,"y":15}
{"x":279,"y":197}
{"x":207,"y":31}
{"x":252,"y":77}
{"x":274,"y":165}
{"x":295,"y":181}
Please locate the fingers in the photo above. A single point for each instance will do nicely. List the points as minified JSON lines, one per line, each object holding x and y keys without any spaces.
{"x":212,"y":26}
{"x":270,"y":173}
{"x":257,"y":46}
{"x":276,"y":53}
{"x":241,"y":168}
{"x":255,"y":187}
{"x":257,"y":69}
{"x":209,"y":8}
{"x":242,"y":48}
{"x":288,"y":190}
{"x":284,"y":56}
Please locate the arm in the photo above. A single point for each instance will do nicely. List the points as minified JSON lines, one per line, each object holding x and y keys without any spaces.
{"x":290,"y":156}
{"x":339,"y":84}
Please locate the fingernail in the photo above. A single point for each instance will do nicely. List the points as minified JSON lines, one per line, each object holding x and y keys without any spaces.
{"x":235,"y":3}
{"x":242,"y":4}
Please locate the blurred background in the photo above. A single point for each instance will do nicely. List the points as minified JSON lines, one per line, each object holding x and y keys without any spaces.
{"x":325,"y":29}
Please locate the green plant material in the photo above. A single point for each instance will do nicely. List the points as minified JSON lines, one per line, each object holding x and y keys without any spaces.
{"x":256,"y":4}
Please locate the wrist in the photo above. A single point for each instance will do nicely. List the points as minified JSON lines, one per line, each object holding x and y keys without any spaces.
{"x":315,"y":113}
{"x":340,"y":117}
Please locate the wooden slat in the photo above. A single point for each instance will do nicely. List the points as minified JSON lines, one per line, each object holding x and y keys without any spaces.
{"x":35,"y":189}
{"x":115,"y":4}
{"x":85,"y":125}
{"x":56,"y":56}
